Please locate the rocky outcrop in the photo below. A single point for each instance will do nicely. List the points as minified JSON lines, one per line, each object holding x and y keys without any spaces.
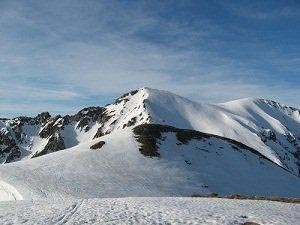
{"x":21,"y":131}
{"x":55,"y":143}
{"x":148,"y":135}
{"x":98,"y":145}
{"x":289,"y":145}
{"x":9,"y":151}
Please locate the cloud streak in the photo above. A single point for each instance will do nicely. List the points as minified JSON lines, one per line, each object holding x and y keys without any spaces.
{"x":67,"y":54}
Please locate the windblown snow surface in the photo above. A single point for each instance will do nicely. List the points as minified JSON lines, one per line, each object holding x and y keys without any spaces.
{"x":149,"y":211}
{"x":110,"y":184}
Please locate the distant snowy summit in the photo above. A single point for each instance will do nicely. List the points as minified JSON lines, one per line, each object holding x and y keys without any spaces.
{"x":269,"y":128}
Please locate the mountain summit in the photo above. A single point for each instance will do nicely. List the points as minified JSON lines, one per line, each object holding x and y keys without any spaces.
{"x":154,"y":143}
{"x":269,"y":127}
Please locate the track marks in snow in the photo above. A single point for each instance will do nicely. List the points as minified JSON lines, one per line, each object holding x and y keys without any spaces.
{"x":148,"y":211}
{"x":68,"y":213}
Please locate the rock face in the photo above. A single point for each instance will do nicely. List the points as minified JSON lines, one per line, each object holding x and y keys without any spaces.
{"x":98,"y":145}
{"x":149,"y":136}
{"x":266,"y":126}
{"x":19,"y":136}
{"x":26,"y":137}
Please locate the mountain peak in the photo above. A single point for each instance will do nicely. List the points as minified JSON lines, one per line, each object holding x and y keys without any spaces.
{"x":269,"y":127}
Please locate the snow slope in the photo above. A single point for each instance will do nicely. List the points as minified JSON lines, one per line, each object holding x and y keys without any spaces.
{"x":149,"y":211}
{"x":270,"y":128}
{"x":119,"y":169}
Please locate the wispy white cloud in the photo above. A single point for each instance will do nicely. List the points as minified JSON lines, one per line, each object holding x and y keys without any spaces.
{"x":55,"y":53}
{"x":9,"y":90}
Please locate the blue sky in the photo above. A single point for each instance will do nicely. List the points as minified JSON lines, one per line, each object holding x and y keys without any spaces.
{"x":61,"y":56}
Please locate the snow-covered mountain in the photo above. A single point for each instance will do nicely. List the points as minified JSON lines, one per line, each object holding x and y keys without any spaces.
{"x":153,"y":143}
{"x":269,"y":127}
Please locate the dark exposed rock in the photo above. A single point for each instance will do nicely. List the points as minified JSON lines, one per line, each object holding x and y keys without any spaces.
{"x":91,"y":112}
{"x":99,"y":133}
{"x":17,"y":130}
{"x":102,"y":119}
{"x":130,"y":123}
{"x":147,"y":135}
{"x":290,"y":138}
{"x":14,"y":154}
{"x":184,"y":136}
{"x":124,"y":97}
{"x":187,"y":162}
{"x":247,"y":197}
{"x":268,"y":135}
{"x":289,"y":151}
{"x":55,"y":143}
{"x":82,"y":123}
{"x":98,"y":145}
{"x":6,"y":141}
{"x":272,"y":136}
{"x":43,"y":117}
{"x":51,"y":127}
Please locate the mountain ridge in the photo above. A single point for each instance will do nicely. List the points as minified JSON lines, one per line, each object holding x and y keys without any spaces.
{"x":153,"y":143}
{"x":265,"y":125}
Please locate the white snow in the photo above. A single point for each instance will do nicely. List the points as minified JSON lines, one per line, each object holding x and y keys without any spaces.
{"x":118,"y":169}
{"x":8,"y":192}
{"x":149,"y":211}
{"x":242,"y":120}
{"x":79,"y":185}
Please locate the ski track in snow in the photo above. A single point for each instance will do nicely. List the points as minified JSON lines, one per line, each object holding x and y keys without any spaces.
{"x":149,"y":211}
{"x":67,"y":215}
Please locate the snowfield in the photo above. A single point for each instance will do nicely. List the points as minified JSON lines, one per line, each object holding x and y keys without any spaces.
{"x":149,"y":211}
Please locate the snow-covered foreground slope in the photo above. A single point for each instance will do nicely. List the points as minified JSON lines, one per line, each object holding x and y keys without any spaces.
{"x":149,"y":211}
{"x":183,"y":163}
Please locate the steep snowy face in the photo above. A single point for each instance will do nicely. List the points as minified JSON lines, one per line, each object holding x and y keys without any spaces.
{"x":277,"y":129}
{"x":127,"y":111}
{"x":269,"y":127}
